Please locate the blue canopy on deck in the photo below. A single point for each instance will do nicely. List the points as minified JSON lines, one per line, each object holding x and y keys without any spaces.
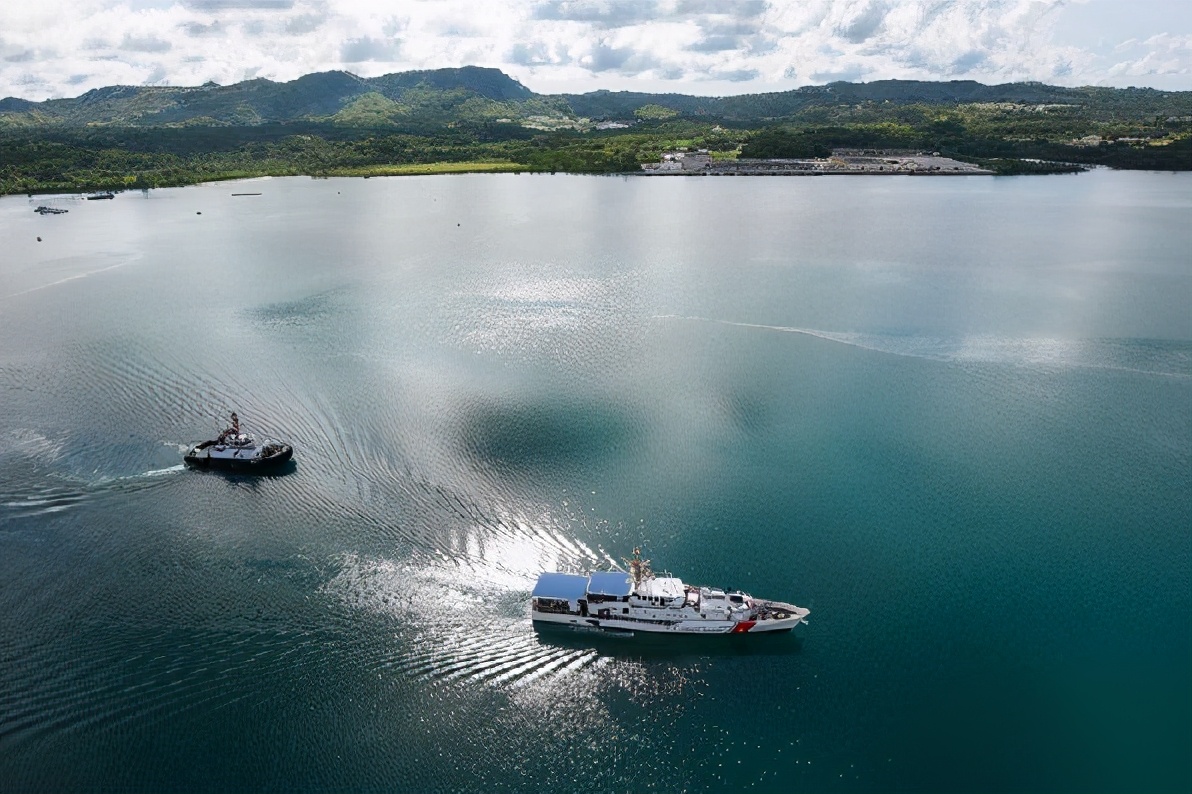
{"x":610,"y":583}
{"x":560,"y":585}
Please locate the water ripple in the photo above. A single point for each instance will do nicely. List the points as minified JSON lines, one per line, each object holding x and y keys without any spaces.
{"x":1153,"y":357}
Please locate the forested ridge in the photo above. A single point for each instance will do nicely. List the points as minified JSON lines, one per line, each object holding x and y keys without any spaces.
{"x":335,"y":123}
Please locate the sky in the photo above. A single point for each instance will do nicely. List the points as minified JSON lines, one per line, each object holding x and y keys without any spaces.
{"x":62,"y":48}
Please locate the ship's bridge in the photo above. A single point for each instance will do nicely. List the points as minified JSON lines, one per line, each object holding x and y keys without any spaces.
{"x":666,"y":587}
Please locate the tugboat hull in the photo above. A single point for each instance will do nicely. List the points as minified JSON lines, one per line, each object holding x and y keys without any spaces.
{"x":210,"y":455}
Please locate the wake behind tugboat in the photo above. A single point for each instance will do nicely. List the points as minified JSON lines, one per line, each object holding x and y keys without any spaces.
{"x":233,"y":450}
{"x":638,"y":601}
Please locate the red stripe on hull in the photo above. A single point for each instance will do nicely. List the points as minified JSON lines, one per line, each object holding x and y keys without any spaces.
{"x":743,"y":626}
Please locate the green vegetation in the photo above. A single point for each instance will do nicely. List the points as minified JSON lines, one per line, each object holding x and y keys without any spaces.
{"x":178,"y":157}
{"x":472,"y":119}
{"x":778,"y":142}
{"x":654,"y":112}
{"x":425,"y":168}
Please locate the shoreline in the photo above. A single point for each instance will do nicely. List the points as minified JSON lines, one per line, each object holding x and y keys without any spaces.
{"x":402,"y":169}
{"x":488,"y":167}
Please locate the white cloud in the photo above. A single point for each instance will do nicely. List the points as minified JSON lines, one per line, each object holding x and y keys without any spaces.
{"x":145,"y":44}
{"x":1163,"y":54}
{"x":63,"y":47}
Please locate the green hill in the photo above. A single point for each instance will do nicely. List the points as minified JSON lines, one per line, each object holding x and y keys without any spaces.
{"x":472,"y":93}
{"x":260,"y":101}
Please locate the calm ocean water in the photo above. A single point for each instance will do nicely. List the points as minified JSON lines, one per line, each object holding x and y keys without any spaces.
{"x":951,"y":416}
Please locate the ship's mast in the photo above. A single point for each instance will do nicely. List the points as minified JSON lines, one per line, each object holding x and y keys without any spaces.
{"x":639,"y":569}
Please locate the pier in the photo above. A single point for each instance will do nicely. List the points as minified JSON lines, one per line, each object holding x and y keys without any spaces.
{"x":842,"y":162}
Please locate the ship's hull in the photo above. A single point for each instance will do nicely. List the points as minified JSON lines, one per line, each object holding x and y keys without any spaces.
{"x":687,"y":626}
{"x":202,"y":457}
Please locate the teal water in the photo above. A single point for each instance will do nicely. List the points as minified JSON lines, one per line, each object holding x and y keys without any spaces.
{"x":953,"y":417}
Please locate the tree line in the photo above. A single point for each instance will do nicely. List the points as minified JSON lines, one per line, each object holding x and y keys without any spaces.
{"x":1007,"y":140}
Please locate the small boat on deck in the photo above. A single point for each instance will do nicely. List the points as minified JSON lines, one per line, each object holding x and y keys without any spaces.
{"x":636,"y":600}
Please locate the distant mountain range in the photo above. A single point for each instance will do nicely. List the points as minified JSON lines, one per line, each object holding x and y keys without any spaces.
{"x":475,"y":94}
{"x":323,"y":96}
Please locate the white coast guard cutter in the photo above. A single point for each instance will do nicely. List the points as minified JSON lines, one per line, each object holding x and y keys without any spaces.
{"x":637,"y":600}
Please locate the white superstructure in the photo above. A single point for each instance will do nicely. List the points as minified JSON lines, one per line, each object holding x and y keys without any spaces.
{"x":638,"y":600}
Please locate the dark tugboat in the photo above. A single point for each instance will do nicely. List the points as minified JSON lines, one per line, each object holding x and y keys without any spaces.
{"x":233,"y":450}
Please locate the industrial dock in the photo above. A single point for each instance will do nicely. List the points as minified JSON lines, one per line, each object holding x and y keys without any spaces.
{"x":842,"y":162}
